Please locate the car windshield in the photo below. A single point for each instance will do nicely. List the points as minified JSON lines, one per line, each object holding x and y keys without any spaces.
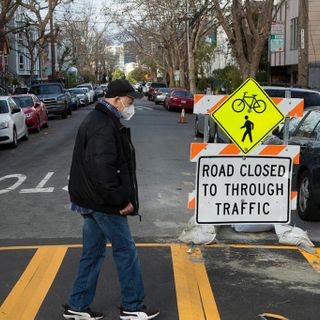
{"x":87,"y":87}
{"x":76,"y":91}
{"x":184,"y":94}
{"x":309,"y":125}
{"x":158,"y":85}
{"x":163,"y":90}
{"x":310,"y":98}
{"x":46,"y":89}
{"x":23,"y":102}
{"x":3,"y":107}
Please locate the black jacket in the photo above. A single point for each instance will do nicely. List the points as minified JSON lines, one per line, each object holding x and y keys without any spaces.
{"x":103,"y":169}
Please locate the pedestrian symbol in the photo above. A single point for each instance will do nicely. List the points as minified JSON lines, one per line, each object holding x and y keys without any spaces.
{"x":249,"y":127}
{"x":248,"y":116}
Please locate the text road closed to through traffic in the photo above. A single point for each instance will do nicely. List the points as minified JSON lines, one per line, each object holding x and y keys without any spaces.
{"x":241,"y":189}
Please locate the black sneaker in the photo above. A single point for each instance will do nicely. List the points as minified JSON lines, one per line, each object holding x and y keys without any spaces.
{"x":87,"y":314}
{"x":142,"y":314}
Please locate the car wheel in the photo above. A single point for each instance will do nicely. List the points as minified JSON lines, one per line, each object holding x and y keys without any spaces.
{"x":156,"y":102}
{"x":197,"y":133}
{"x":38,"y":129}
{"x":26,"y":133}
{"x":69,"y":110}
{"x":168,"y":107}
{"x":46,"y":125}
{"x":306,"y":207}
{"x":64,"y":115}
{"x":14,"y":138}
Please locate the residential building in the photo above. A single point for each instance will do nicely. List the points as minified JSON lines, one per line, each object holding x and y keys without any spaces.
{"x":289,"y":36}
{"x":116,"y":57}
{"x":23,"y":59}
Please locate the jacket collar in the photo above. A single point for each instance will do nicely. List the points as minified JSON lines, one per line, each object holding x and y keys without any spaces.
{"x":101,"y":107}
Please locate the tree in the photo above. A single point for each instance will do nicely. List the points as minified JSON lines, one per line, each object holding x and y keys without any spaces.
{"x":118,"y":74}
{"x":247,"y":25}
{"x":137,"y":74}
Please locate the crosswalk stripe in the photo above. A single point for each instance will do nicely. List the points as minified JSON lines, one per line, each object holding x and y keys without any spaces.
{"x":187,"y":291}
{"x":313,"y":259}
{"x":26,"y":297}
{"x":194,"y":294}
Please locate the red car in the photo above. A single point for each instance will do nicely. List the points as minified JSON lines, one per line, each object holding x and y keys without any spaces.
{"x":179,"y":99}
{"x":34,"y":109}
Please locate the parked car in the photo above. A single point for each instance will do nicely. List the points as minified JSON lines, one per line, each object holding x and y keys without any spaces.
{"x":153,"y":86}
{"x":145,"y":88}
{"x":159,"y":95}
{"x":104,"y":87}
{"x":99,"y":92}
{"x":179,"y":99}
{"x":35,"y":111}
{"x":80,"y":95}
{"x":89,"y":86}
{"x":87,"y":94}
{"x":311,"y":97}
{"x":12,"y":122}
{"x":305,"y":132}
{"x":140,"y":85}
{"x":54,"y":96}
{"x":74,"y":100}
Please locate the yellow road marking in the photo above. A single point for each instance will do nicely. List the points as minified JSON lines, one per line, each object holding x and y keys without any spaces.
{"x":26,"y":297}
{"x":239,"y":246}
{"x":208,"y":300}
{"x":77,"y":246}
{"x":313,"y":259}
{"x":195,"y":299}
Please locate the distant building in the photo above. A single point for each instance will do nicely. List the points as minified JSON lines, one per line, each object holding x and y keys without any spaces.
{"x":286,"y":42}
{"x":19,"y":58}
{"x":130,"y":67}
{"x":222,"y":53}
{"x":116,"y":57}
{"x":129,"y":52}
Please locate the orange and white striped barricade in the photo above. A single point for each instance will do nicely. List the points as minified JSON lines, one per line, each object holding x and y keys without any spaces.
{"x":248,"y":189}
{"x":206,"y":104}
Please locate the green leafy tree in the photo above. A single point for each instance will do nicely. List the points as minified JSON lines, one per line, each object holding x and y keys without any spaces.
{"x":137,"y":74}
{"x":229,"y":77}
{"x":118,"y":74}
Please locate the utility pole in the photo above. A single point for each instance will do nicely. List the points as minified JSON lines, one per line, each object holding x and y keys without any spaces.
{"x":52,"y":44}
{"x":303,"y":44}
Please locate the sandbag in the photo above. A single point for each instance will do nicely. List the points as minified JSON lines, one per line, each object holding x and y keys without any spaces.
{"x":197,"y":234}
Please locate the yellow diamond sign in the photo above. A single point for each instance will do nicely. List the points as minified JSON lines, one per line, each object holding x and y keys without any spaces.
{"x":248,"y":116}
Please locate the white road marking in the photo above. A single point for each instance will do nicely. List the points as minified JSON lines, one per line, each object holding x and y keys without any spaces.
{"x":40,"y":187}
{"x":20,"y":177}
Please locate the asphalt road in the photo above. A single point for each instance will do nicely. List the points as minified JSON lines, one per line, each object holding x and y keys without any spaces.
{"x":165,"y":177}
{"x":40,"y":236}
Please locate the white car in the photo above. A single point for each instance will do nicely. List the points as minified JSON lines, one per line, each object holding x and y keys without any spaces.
{"x":89,"y":86}
{"x":12,"y":122}
{"x":145,"y":88}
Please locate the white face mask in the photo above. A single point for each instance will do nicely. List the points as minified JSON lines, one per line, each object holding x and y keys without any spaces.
{"x":127,"y":112}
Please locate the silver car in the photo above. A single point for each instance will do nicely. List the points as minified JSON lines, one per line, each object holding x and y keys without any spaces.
{"x":160,"y":95}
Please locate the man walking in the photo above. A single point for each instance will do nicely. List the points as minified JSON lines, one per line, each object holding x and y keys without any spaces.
{"x":249,"y":127}
{"x":103,"y":188}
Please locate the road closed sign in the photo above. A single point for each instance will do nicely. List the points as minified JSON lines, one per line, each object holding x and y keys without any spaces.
{"x":244,"y":190}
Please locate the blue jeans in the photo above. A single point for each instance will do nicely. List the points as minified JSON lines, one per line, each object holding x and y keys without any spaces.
{"x":97,"y":229}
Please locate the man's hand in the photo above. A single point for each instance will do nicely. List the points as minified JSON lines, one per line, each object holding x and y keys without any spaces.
{"x":127,"y":210}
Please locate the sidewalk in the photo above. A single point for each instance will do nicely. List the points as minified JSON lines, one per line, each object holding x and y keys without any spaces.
{"x":215,"y":282}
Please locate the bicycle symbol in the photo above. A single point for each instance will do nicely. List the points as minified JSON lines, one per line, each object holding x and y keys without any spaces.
{"x":258,"y":106}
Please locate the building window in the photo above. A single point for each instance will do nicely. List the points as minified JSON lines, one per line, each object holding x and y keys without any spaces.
{"x":294,"y":34}
{"x":20,"y":37}
{"x":21,"y":61}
